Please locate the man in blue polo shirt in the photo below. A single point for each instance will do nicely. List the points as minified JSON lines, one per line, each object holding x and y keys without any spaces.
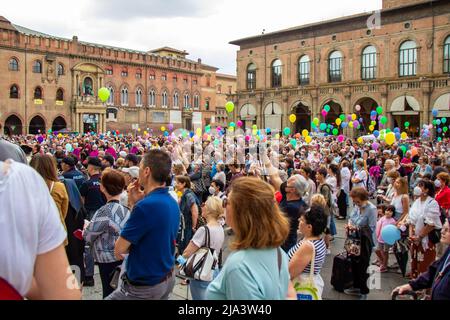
{"x":150,"y":234}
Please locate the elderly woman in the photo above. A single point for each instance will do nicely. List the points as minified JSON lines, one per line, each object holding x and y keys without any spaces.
{"x":295,"y":189}
{"x":256,"y":262}
{"x":420,"y":171}
{"x":392,"y":176}
{"x":363,"y":222}
{"x":437,"y":276}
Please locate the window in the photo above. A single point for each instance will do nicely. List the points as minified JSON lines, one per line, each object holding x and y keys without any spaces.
{"x":447,"y":55}
{"x":164,"y":99}
{"x":37,"y":93}
{"x":335,"y":67}
{"x":139,"y":97}
{"x":369,"y":63}
{"x":60,"y":69}
{"x":408,"y":59}
{"x":185,"y":80}
{"x":152,"y":98}
{"x":276,"y":73}
{"x":164,"y":76}
{"x":59,"y":95}
{"x":229,"y":89}
{"x":152,"y":76}
{"x":175,"y":78}
{"x":14,"y":92}
{"x":251,"y":76}
{"x":194,"y":81}
{"x":109,"y":71}
{"x":37,"y":67}
{"x":207,"y":105}
{"x":186,"y":101}
{"x":124,"y":73}
{"x":124,"y":97}
{"x":139,"y":74}
{"x":175,"y":100}
{"x":111,"y":96}
{"x":13,"y":65}
{"x":303,"y":70}
{"x":196,"y":102}
{"x":219,"y":88}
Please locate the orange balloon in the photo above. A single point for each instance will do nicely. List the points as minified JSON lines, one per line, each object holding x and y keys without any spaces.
{"x":297,"y":135}
{"x":413,"y":151}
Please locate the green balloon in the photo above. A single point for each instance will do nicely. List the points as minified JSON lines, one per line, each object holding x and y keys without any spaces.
{"x":379,"y":110}
{"x":444,"y":120}
{"x":342,"y":117}
{"x":323,"y":126}
{"x":445,"y":129}
{"x":383,"y":120}
{"x":313,"y":125}
{"x":232,"y":124}
{"x":103,"y":94}
{"x":434,"y":122}
{"x":439,"y":139}
{"x":335,"y":132}
{"x":293,"y":142}
{"x":287,"y":131}
{"x":327,"y":108}
{"x":403,"y":149}
{"x":328,"y":130}
{"x":388,"y":130}
{"x":229,"y":106}
{"x":406,"y":124}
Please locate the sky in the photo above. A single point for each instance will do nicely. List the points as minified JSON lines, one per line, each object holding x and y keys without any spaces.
{"x":203,"y":28}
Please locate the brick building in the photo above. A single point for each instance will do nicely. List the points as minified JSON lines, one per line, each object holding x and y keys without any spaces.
{"x":226,"y":87}
{"x":398,"y":58}
{"x":49,"y":82}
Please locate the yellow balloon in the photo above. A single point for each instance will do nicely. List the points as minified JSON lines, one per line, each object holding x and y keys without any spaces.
{"x":139,"y":129}
{"x":404,"y":135}
{"x":231,"y":129}
{"x":308,"y":139}
{"x":305,"y":133}
{"x":199,"y":132}
{"x":145,"y":132}
{"x":360,"y":140}
{"x":371,"y":128}
{"x":163,"y":128}
{"x":350,"y":124}
{"x":255,"y":132}
{"x":390,"y":138}
{"x":353,"y":117}
{"x":338,"y":121}
{"x":292,"y":118}
{"x":277,"y":136}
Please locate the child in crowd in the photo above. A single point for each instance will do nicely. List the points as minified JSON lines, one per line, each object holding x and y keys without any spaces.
{"x":383,"y":248}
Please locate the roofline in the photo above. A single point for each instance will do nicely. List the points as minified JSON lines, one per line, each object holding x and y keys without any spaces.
{"x":223,"y":75}
{"x":238,"y":42}
{"x":170,"y":50}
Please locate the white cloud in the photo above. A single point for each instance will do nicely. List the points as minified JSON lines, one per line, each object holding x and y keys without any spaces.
{"x":201,"y":27}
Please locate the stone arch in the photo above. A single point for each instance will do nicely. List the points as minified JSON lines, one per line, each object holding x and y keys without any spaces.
{"x":13,"y":124}
{"x":59,"y":123}
{"x":273,"y":113}
{"x":37,"y":124}
{"x":302,"y":111}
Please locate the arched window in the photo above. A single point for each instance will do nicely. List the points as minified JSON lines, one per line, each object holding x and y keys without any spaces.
{"x":303,"y":70}
{"x":37,"y":66}
{"x":13,"y":64}
{"x":196,"y":102}
{"x":152,"y":98}
{"x":139,"y":97}
{"x":175,"y":100}
{"x":276,"y":73}
{"x":164,"y":99}
{"x":251,"y":77}
{"x":38,"y":93}
{"x":335,"y":67}
{"x":369,"y":63}
{"x":60,"y":69}
{"x":186,"y":101}
{"x":447,"y":55}
{"x":408,"y":59}
{"x":59,"y":94}
{"x":14,"y":92}
{"x":124,"y":96}
{"x":111,"y":96}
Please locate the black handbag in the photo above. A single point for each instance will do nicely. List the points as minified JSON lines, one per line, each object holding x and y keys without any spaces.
{"x":435,"y":236}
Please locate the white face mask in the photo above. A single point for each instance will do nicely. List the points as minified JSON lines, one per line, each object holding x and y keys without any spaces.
{"x":212,"y":190}
{"x":437,"y":183}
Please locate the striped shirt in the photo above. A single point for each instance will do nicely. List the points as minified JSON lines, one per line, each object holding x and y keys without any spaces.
{"x":321,"y":250}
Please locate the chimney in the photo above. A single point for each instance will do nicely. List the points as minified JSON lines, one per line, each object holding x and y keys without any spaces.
{"x":199,"y":61}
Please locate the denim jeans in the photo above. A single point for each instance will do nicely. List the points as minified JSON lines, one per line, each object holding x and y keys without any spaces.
{"x":333,"y":230}
{"x":88,"y":261}
{"x":198,"y":288}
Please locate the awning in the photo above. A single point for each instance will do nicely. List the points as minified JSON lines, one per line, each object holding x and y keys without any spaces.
{"x":398,"y":105}
{"x":405,"y":113}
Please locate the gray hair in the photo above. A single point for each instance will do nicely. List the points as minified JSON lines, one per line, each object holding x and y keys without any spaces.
{"x":300,"y":184}
{"x":390,"y":162}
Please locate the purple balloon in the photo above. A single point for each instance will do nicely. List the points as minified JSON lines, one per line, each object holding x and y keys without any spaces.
{"x":375,"y":146}
{"x":355,"y":123}
{"x":349,"y":117}
{"x":361,"y":120}
{"x":40,"y":139}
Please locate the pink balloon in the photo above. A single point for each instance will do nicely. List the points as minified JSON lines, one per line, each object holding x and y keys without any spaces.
{"x":247,"y":138}
{"x":239,"y":123}
{"x":341,"y":138}
{"x":170,"y":126}
{"x":375,"y":146}
{"x":356,"y":123}
{"x":324,"y":113}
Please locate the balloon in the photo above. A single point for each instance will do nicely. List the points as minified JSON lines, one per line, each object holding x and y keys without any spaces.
{"x":379,"y":110}
{"x":254,"y":127}
{"x":396,"y":129}
{"x":373,"y":113}
{"x":350,"y":124}
{"x":355,"y":124}
{"x":40,"y":139}
{"x":338,"y":121}
{"x":103,"y":94}
{"x":341,"y":138}
{"x":375,"y":146}
{"x":324,"y":113}
{"x":170,"y":127}
{"x":358,"y":107}
{"x":229,"y":106}
{"x":335,"y":132}
{"x":342,"y":117}
{"x":406,"y":124}
{"x":344,"y":124}
{"x":69,"y":147}
{"x":268,"y":130}
{"x":208,"y":129}
{"x":371,"y":128}
{"x":305,"y":133}
{"x":163,"y":128}
{"x":404,"y":135}
{"x":166,"y":133}
{"x":292,"y":118}
{"x":434,"y":112}
{"x":316,"y":121}
{"x":198,"y":132}
{"x":323,"y":126}
{"x":247,"y":138}
{"x":438,"y":122}
{"x":277,"y":136}
{"x":293,"y":142}
{"x":354,"y":117}
{"x":360,"y":140}
{"x":231,"y":129}
{"x":239,"y":123}
{"x":383,"y":120}
{"x":439,"y":130}
{"x":349,"y":117}
{"x":287,"y":131}
{"x":445,"y":129}
{"x":390,"y":138}
{"x":397,"y":135}
{"x":444,"y":120}
{"x":232,"y":124}
{"x":390,"y":234}
{"x":376,"y":133}
{"x":327,"y":108}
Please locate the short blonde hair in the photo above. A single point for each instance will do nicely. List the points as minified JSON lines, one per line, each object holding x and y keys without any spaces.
{"x":319,"y":199}
{"x":258,"y":221}
{"x":214,"y":206}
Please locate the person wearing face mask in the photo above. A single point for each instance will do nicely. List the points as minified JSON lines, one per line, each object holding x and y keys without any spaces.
{"x":443,"y":191}
{"x":359,"y":178}
{"x":216,"y":189}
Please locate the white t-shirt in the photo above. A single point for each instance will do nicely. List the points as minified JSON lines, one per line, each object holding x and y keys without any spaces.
{"x":29,"y":224}
{"x":362,"y":176}
{"x":345,"y":179}
{"x":216,"y":234}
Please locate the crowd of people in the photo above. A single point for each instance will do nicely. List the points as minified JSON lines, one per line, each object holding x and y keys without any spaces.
{"x":142,"y":208}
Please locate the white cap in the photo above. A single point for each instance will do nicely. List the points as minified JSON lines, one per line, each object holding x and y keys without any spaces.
{"x":132,"y":171}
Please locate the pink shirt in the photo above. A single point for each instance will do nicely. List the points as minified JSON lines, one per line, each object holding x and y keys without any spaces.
{"x":94,"y":153}
{"x":384,"y":221}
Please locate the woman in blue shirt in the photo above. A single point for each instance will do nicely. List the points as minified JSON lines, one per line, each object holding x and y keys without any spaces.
{"x":257,"y":269}
{"x":363,"y":221}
